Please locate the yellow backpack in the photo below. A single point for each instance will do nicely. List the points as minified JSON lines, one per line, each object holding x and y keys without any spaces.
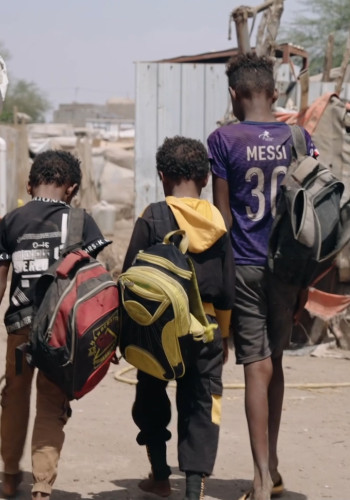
{"x":161,"y":312}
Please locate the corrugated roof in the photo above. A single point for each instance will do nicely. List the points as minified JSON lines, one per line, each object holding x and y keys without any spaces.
{"x":283,"y":50}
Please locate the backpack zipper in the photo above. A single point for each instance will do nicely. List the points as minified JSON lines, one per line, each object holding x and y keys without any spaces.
{"x":66,"y":291}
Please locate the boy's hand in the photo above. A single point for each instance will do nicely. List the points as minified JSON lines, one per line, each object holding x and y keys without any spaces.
{"x":225,"y":349}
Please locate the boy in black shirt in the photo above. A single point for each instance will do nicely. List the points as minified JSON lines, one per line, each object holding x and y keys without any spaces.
{"x":183,"y":168}
{"x":30,"y":239}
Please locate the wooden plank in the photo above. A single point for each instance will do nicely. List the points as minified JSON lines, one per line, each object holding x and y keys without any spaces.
{"x":344,"y":64}
{"x":346,"y":91}
{"x":328,"y":58}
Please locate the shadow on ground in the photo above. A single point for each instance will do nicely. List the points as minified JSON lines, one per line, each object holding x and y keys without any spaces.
{"x":218,"y":489}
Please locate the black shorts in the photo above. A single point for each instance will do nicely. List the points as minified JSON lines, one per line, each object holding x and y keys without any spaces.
{"x":262,"y":314}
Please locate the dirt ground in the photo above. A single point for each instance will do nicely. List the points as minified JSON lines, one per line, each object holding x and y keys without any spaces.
{"x":101,"y":460}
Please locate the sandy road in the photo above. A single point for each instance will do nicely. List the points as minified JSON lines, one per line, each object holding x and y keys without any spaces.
{"x":101,"y":460}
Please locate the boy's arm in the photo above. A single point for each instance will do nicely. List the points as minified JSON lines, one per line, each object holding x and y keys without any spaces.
{"x":221,"y":199}
{"x":4,"y":268}
{"x":302,"y":299}
{"x":223,"y":308}
{"x":140,"y":240}
{"x":93,"y":240}
{"x":223,"y":317}
{"x":310,"y":146}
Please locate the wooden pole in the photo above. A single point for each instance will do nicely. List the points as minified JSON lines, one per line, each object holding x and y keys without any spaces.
{"x":345,"y":62}
{"x":267,"y":32}
{"x":328,"y":59}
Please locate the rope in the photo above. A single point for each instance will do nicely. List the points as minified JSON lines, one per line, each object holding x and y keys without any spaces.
{"x":310,"y":385}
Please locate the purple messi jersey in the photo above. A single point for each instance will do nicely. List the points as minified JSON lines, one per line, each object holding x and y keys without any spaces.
{"x":253,"y":157}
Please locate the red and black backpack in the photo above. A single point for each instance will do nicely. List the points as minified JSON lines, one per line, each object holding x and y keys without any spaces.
{"x":74,"y":330}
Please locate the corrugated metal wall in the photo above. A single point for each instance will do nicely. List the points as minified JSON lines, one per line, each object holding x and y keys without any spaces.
{"x":181,"y":99}
{"x":173,"y":99}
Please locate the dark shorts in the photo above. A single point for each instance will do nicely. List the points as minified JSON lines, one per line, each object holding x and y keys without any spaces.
{"x":262,"y":315}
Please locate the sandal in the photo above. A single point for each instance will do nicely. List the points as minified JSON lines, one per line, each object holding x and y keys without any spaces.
{"x":277,"y":488}
{"x":246,"y":496}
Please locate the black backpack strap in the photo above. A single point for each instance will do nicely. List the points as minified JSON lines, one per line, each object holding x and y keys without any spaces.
{"x":163,"y":221}
{"x":74,"y":240}
{"x":75,"y":230}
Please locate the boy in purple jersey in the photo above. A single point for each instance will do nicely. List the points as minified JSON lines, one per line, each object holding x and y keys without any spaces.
{"x":249,"y":160}
{"x":30,"y":240}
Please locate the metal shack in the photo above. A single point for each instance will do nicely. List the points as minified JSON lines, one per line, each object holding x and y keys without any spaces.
{"x":188,"y":96}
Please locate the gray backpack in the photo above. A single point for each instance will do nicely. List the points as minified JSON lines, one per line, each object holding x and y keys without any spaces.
{"x":311,"y":224}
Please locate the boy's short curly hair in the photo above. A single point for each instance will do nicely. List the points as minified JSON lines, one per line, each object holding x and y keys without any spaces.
{"x":249,"y":74}
{"x":55,"y":167}
{"x":183,"y":158}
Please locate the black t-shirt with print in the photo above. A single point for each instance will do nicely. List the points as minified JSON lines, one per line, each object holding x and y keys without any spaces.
{"x":31,"y":238}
